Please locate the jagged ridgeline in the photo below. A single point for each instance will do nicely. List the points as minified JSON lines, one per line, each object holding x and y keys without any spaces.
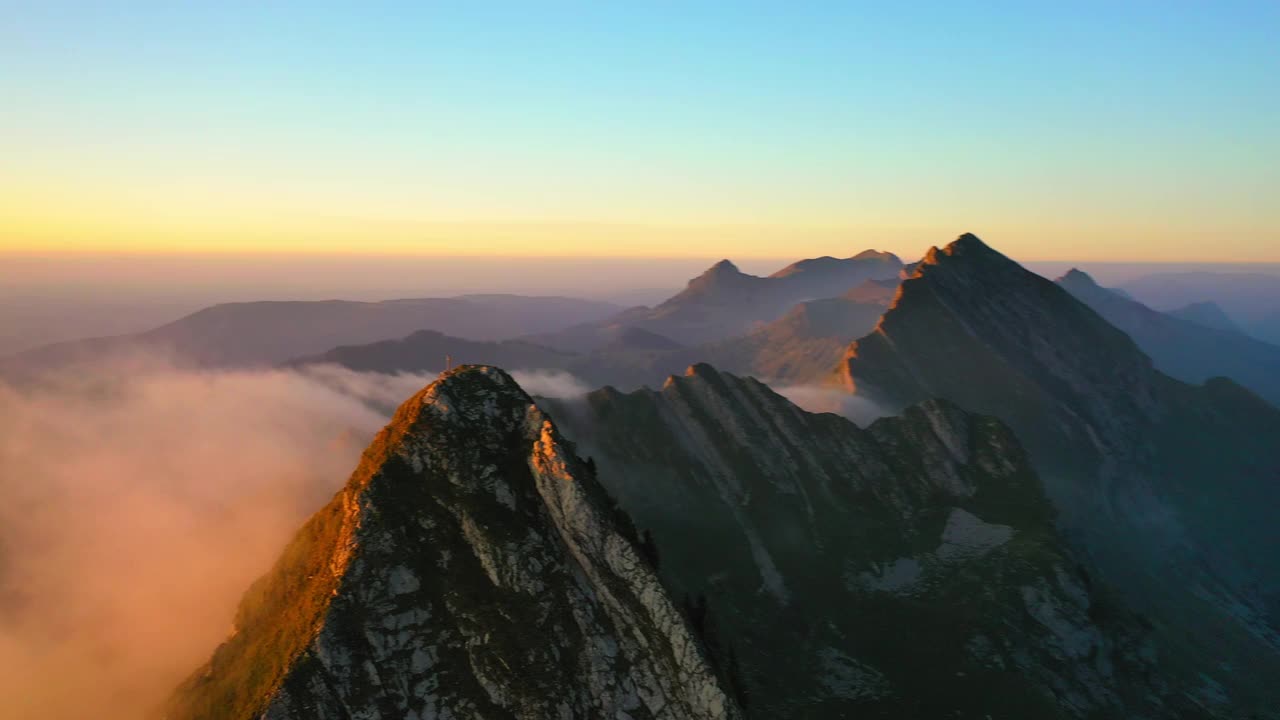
{"x":909,"y":569}
{"x":471,"y":568}
{"x":1169,"y":488}
{"x":475,"y":567}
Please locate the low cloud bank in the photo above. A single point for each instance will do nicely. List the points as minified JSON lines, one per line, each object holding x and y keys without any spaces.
{"x":140,"y":501}
{"x":550,"y":383}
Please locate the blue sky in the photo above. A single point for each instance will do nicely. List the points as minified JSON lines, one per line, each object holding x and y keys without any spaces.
{"x":1129,"y":129}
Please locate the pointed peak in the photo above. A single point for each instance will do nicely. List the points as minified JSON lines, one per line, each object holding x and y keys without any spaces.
{"x":968,"y":250}
{"x":467,"y":394}
{"x":968,"y":243}
{"x":725,"y":266}
{"x":698,"y":371}
{"x":722,"y":274}
{"x":701,"y":370}
{"x":723,"y":270}
{"x":1077,"y":278}
{"x":473,"y":378}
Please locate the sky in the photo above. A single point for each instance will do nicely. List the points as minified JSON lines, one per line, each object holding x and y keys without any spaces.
{"x":1081,"y":131}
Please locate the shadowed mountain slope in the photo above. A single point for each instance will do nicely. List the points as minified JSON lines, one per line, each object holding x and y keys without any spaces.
{"x":1183,"y":349}
{"x":1171,"y":489}
{"x":910,"y":569}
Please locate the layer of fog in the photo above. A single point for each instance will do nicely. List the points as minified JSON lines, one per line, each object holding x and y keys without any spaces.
{"x":819,"y":399}
{"x":140,"y":501}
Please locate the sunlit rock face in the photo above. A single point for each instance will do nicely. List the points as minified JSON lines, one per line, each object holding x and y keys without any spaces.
{"x":1168,"y":488}
{"x":908,"y":569}
{"x":471,"y":568}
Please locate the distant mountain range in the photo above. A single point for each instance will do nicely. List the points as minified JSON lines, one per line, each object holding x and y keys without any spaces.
{"x":429,"y":350}
{"x":1252,"y":300}
{"x":1186,"y":349}
{"x":267,"y":333}
{"x":724,"y":302}
{"x":801,"y":345}
{"x":1207,"y":314}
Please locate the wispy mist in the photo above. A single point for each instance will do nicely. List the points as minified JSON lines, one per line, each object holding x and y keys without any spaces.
{"x":140,"y":502}
{"x":550,"y":383}
{"x":819,"y":399}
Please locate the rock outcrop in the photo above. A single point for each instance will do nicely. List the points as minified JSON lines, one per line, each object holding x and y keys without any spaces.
{"x":471,"y":568}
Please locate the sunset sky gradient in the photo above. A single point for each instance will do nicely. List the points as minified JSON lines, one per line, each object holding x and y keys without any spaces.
{"x":1091,"y":130}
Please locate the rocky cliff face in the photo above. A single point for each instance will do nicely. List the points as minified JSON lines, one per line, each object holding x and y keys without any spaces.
{"x":1168,"y":488}
{"x":910,"y":569}
{"x":471,"y":568}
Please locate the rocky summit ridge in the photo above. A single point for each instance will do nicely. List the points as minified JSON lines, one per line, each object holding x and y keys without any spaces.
{"x":1167,"y":487}
{"x":471,"y":568}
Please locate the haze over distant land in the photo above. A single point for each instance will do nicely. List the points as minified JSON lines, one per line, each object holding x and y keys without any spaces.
{"x":46,"y":298}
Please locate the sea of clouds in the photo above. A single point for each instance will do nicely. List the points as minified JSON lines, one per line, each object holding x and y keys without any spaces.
{"x":139,"y":500}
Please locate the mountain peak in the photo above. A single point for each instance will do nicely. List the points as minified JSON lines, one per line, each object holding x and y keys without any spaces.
{"x":828,"y":264}
{"x":1077,"y":278}
{"x":876,"y":255}
{"x":1006,"y":313}
{"x":722,"y":274}
{"x":701,"y":369}
{"x":471,"y":544}
{"x":1207,"y":314}
{"x":478,"y":396}
{"x":967,"y":251}
{"x":698,"y":371}
{"x":968,"y":243}
{"x":725,"y":266}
